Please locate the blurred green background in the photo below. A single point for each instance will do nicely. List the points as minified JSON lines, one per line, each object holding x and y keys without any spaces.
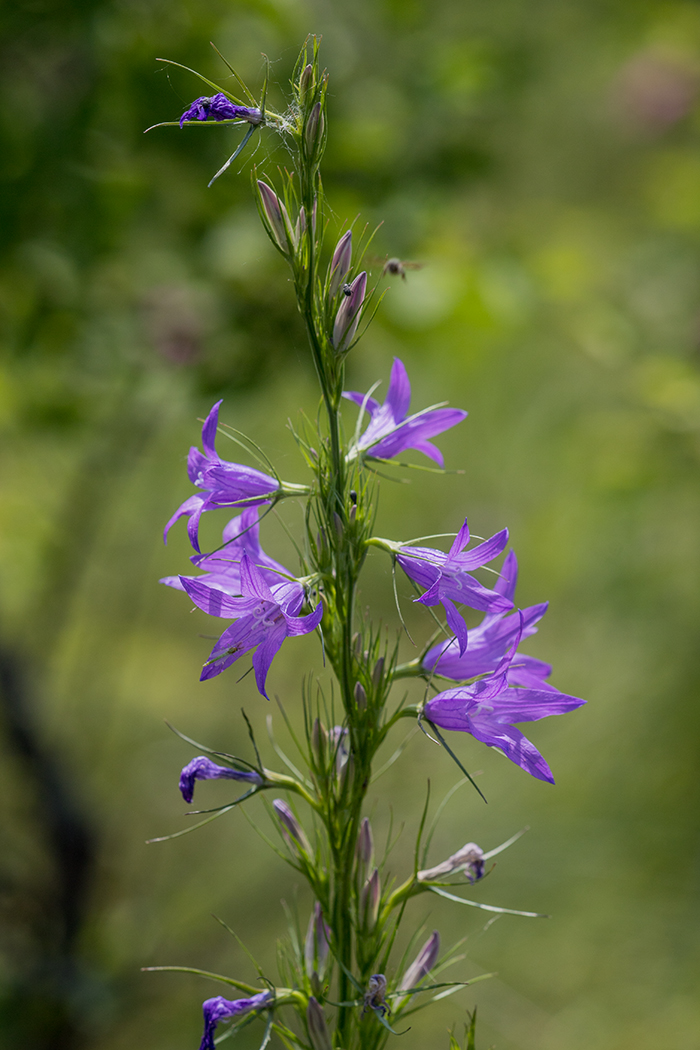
{"x":542,"y":161}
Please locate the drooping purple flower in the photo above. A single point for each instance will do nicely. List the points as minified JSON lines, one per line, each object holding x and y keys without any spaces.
{"x":469,"y":859}
{"x":264,"y":616}
{"x":202,"y":768}
{"x":225,"y":484}
{"x":349,"y":311}
{"x":220,"y":1009}
{"x":375,"y":996}
{"x":446,"y":577}
{"x":220,"y":108}
{"x":392,"y":430}
{"x":222,"y":569}
{"x":422,"y":964}
{"x":489,"y":708}
{"x":491,"y":640}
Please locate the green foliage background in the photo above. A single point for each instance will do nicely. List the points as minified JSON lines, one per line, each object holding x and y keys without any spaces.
{"x":542,"y":160}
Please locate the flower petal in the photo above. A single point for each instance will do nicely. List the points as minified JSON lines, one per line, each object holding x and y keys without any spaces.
{"x":514,"y":746}
{"x":265,"y":654}
{"x":398,"y":396}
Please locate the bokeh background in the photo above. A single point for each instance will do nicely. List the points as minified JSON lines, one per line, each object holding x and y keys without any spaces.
{"x":542,"y":161}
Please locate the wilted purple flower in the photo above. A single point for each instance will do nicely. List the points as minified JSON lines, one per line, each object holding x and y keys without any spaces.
{"x":422,"y":964}
{"x":447,"y":580}
{"x":317,"y":943}
{"x":375,"y":996}
{"x":220,"y":1009}
{"x":340,"y":263}
{"x":202,"y":768}
{"x":225,"y":484}
{"x":488,"y":708}
{"x":469,"y":859}
{"x":392,"y":431}
{"x":222,"y":569}
{"x":348,"y":316}
{"x":292,"y":830}
{"x":491,"y":640}
{"x":220,"y":108}
{"x":264,"y":616}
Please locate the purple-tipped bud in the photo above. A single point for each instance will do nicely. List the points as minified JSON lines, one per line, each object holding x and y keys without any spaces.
{"x":364,"y":848}
{"x":220,"y":1009}
{"x":276,"y":215}
{"x":314,"y":129}
{"x":360,"y":696}
{"x":469,"y":859}
{"x":306,"y":79}
{"x":291,"y":828}
{"x":319,"y":740}
{"x":340,"y":263}
{"x":337,"y":737}
{"x":422,"y":964}
{"x":319,"y":1036}
{"x":300,"y":227}
{"x":369,"y":899}
{"x":349,"y":311}
{"x":202,"y":768}
{"x":378,"y":672}
{"x":317,"y":943}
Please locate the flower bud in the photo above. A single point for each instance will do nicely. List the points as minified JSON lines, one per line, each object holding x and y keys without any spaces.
{"x":349,"y":311}
{"x":422,"y":964}
{"x":378,"y":672}
{"x":317,"y":943}
{"x":319,"y":740}
{"x":306,"y":80}
{"x":300,"y":227}
{"x":314,"y":129}
{"x":337,"y":737}
{"x":340,"y":263}
{"x":369,"y":900}
{"x":319,"y":1036}
{"x":364,"y":848}
{"x":276,"y":215}
{"x":360,"y":696}
{"x":291,"y":828}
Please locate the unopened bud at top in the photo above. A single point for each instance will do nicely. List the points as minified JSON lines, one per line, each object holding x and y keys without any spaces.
{"x":349,"y":311}
{"x":340,"y":263}
{"x":291,"y":828}
{"x":319,"y":1036}
{"x":422,"y":964}
{"x":306,"y":80}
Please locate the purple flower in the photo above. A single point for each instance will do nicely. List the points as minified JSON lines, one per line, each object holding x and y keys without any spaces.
{"x":446,"y":577}
{"x":225,"y":484}
{"x":220,"y":1009}
{"x":488,"y":708}
{"x":392,"y":431}
{"x":202,"y":768}
{"x":220,"y":108}
{"x":222,"y":569}
{"x":491,"y":640}
{"x":349,"y":311}
{"x":422,"y":964}
{"x":264,"y":617}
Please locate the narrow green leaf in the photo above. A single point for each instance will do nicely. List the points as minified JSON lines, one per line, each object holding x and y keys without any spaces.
{"x":486,"y":907}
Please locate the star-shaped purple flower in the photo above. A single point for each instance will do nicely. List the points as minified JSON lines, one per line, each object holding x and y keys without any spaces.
{"x":222,"y":569}
{"x":220,"y":108}
{"x":491,"y":640}
{"x":225,"y":484}
{"x":202,"y":768}
{"x":392,"y":430}
{"x":488,"y":708}
{"x":446,"y":577}
{"x":264,"y":617}
{"x":220,"y":1009}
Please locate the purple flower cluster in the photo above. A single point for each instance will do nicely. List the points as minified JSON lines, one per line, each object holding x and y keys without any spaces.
{"x":220,"y":108}
{"x":391,"y":430}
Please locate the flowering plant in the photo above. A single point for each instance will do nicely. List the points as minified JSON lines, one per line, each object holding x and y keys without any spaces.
{"x":343,"y":987}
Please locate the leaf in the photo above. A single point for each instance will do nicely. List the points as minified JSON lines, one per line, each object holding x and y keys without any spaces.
{"x":243,"y":143}
{"x":241,"y":985}
{"x":214,"y":816}
{"x":486,"y":907}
